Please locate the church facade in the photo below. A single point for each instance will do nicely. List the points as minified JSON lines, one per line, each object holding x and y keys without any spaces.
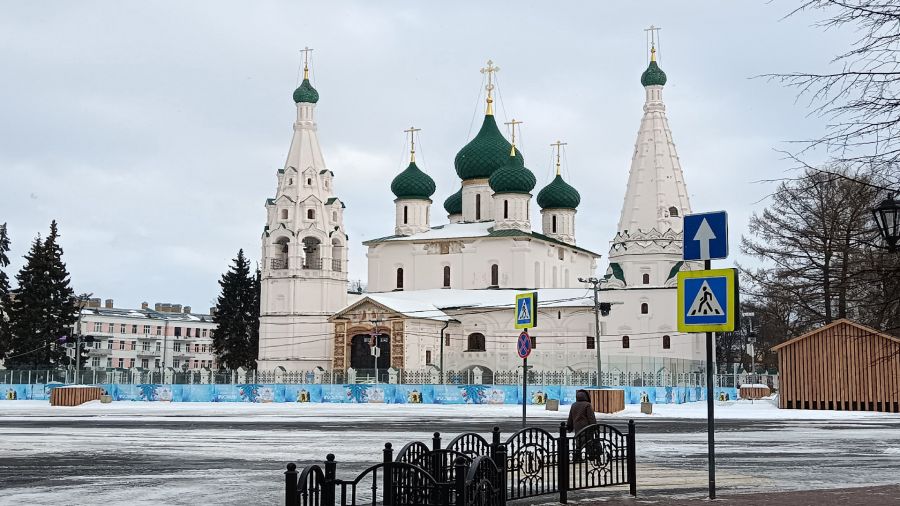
{"x":440,"y":296}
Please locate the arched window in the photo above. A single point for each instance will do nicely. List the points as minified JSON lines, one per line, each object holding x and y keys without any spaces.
{"x":645,"y":308}
{"x":310,"y":214}
{"x":337,"y":255}
{"x":553,"y":223}
{"x":495,"y":275}
{"x":333,"y":215}
{"x":626,"y":342}
{"x":308,"y":181}
{"x":667,"y":342}
{"x":405,"y":214}
{"x":646,"y":278}
{"x":505,"y":209}
{"x":446,"y":276}
{"x":284,"y":214}
{"x":399,"y":278}
{"x":290,"y":181}
{"x":673,"y":212}
{"x":476,"y":342}
{"x":477,"y":206}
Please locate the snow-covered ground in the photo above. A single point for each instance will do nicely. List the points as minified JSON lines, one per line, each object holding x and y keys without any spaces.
{"x":234,"y":453}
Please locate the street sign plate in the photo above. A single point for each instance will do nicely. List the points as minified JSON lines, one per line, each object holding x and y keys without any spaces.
{"x":705,"y":236}
{"x":707,"y":300}
{"x":526,"y":310}
{"x":523,"y":345}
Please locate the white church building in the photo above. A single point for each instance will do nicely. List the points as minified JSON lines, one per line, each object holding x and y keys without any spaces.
{"x":442,"y":294}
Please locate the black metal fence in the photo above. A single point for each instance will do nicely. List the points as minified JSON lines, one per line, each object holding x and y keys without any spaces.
{"x":469,"y":471}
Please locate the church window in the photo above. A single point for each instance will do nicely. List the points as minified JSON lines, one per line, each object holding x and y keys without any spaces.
{"x":495,"y":275}
{"x":446,"y":276}
{"x":673,"y":212}
{"x":667,"y":342}
{"x":553,"y":224}
{"x":447,"y":339}
{"x":626,"y":342}
{"x":405,"y":214}
{"x":645,"y":308}
{"x":308,"y":181}
{"x":310,"y":214}
{"x":334,"y":216}
{"x":589,"y":342}
{"x":284,"y":214}
{"x":399,"y":278}
{"x":559,"y":315}
{"x":476,"y":342}
{"x":478,"y":206}
{"x":505,"y":209}
{"x":290,"y":181}
{"x":561,"y":253}
{"x":646,"y":279}
{"x":427,"y":357}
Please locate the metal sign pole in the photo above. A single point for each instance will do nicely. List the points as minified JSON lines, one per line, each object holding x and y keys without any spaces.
{"x":710,"y":407}
{"x":524,"y":390}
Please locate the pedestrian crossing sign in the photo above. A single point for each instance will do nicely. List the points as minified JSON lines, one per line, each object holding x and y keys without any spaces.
{"x":526,"y":310}
{"x":707,"y":300}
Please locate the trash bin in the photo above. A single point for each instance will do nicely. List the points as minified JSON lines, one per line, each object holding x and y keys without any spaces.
{"x":552,"y":405}
{"x":105,"y":399}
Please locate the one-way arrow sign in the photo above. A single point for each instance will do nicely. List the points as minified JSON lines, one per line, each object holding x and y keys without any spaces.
{"x":706,"y":236}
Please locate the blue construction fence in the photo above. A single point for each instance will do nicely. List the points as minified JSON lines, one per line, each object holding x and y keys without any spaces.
{"x":363,"y":393}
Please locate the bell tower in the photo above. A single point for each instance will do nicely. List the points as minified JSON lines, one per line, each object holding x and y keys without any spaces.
{"x":304,"y":250}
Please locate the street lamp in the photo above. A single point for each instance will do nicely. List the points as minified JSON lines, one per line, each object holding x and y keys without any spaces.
{"x":887,"y":216}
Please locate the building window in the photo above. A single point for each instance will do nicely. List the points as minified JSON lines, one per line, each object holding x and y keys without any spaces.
{"x":476,"y":342}
{"x":308,"y":181}
{"x":121,"y":363}
{"x":399,"y":278}
{"x":196,"y":332}
{"x":667,"y":343}
{"x":158,"y":345}
{"x":590,"y":342}
{"x":495,"y":275}
{"x":310,"y":214}
{"x":145,"y":346}
{"x":176,"y":363}
{"x":196,"y":348}
{"x":188,"y":330}
{"x":145,"y":363}
{"x":290,"y":181}
{"x":405,"y":215}
{"x":112,"y":328}
{"x":645,"y":308}
{"x":561,"y":253}
{"x":122,"y":328}
{"x":109,"y":344}
{"x":446,"y":276}
{"x":156,"y":363}
{"x":204,"y":332}
{"x":158,"y":330}
{"x":505,"y":209}
{"x":109,"y":363}
{"x":478,"y":206}
{"x":626,"y":342}
{"x":95,"y":362}
{"x":447,"y":339}
{"x":121,"y":345}
{"x":177,"y":331}
{"x":673,"y":212}
{"x":131,"y":363}
{"x":176,"y":347}
{"x":334,"y":216}
{"x":133,"y":345}
{"x":553,"y":223}
{"x":134,"y":329}
{"x":202,"y":348}
{"x":284,"y":214}
{"x":427,"y":357}
{"x":646,"y":279}
{"x":98,"y":327}
{"x":147,"y":329}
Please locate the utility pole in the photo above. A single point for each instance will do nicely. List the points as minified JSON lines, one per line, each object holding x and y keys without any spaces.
{"x":595,"y":284}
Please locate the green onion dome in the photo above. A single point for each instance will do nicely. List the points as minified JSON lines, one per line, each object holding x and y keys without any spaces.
{"x":412,"y":183}
{"x":453,"y":204}
{"x":306,"y":93}
{"x":484,"y":154}
{"x":558,"y":195}
{"x":512,"y":178}
{"x":653,"y":76}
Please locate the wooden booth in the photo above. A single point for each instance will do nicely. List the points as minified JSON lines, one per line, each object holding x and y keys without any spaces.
{"x":841,"y":366}
{"x":607,"y":400}
{"x":74,"y":395}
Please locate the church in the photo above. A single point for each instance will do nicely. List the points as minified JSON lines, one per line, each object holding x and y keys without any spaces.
{"x":441,"y":291}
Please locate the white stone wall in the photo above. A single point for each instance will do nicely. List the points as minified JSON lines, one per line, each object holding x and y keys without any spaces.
{"x":412,"y":216}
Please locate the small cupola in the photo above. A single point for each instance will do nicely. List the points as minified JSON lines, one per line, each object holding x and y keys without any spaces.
{"x":559,"y":202}
{"x":413,"y":189}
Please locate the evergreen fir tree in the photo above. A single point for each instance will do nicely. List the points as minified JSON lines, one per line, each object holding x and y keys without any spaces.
{"x":4,"y":292}
{"x":237,"y":315}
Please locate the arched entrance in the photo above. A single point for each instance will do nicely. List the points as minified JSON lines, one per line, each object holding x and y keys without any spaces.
{"x":361,"y":358}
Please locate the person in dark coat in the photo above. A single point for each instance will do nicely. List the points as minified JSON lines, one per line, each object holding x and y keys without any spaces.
{"x":581,"y":414}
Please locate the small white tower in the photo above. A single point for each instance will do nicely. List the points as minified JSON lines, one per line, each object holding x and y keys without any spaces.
{"x":559,"y":201}
{"x":512,"y":185}
{"x":413,"y":189}
{"x":304,"y":251}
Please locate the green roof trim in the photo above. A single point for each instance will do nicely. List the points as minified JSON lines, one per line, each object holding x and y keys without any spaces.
{"x":512,"y":178}
{"x":453,"y":204}
{"x":281,"y":171}
{"x":617,"y":272}
{"x":269,"y":202}
{"x":675,"y":269}
{"x":305,"y":93}
{"x":412,"y":183}
{"x":332,"y":200}
{"x":326,"y":170}
{"x":653,"y":76}
{"x":485,"y":153}
{"x":558,"y":195}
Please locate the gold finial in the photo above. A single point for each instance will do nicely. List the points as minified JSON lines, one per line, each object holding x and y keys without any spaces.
{"x":490,"y":70}
{"x":306,"y":51}
{"x":558,"y":145}
{"x":512,"y":125}
{"x":652,"y":32}
{"x":412,"y":142}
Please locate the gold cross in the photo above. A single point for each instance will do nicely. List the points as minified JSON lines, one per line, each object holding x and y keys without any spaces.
{"x":306,"y":51}
{"x":653,"y":36}
{"x":412,"y":142}
{"x":490,"y":70}
{"x":558,"y":145}
{"x":512,"y":125}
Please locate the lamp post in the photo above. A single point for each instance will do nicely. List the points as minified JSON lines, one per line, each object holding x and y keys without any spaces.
{"x":887,"y":217}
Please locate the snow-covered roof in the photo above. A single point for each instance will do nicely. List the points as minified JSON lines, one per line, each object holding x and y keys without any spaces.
{"x":146,"y":314}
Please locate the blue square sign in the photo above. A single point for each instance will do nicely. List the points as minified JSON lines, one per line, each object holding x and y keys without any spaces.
{"x":706,"y":236}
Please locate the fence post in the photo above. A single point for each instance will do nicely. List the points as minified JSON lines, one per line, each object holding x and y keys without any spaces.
{"x":388,"y":475}
{"x":495,"y":444}
{"x":328,"y":488}
{"x":290,"y":485}
{"x":562,"y":461}
{"x":460,"y":475}
{"x":436,"y":441}
{"x":632,"y":461}
{"x":501,"y":466}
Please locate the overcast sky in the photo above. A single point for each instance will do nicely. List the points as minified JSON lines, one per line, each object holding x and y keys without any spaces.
{"x":152,"y":131}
